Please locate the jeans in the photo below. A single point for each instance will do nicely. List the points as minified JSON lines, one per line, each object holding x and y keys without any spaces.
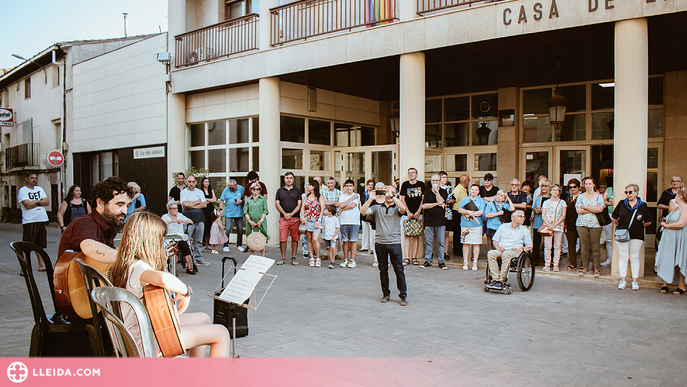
{"x":239,"y":229}
{"x":393,"y":251}
{"x":304,"y":243}
{"x":608,"y":236}
{"x":430,"y":232}
{"x":196,"y":230}
{"x":457,"y":244}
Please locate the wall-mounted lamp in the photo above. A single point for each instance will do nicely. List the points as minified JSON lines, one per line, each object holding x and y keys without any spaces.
{"x":558,"y":104}
{"x":394,"y":122}
{"x":29,"y":60}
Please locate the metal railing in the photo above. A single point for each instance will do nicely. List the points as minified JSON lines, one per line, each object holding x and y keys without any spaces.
{"x":308,"y":18}
{"x":24,"y":155}
{"x":424,"y":6}
{"x":216,"y":41}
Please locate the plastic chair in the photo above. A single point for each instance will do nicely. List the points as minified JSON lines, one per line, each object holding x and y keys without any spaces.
{"x":109,"y":298}
{"x":52,"y":335}
{"x":92,"y":279}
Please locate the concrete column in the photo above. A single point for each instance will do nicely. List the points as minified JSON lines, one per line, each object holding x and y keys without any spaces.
{"x":264,"y":30}
{"x":270,"y":161}
{"x":176,"y":103}
{"x":631,"y":113}
{"x":412,"y":114}
{"x":407,"y":10}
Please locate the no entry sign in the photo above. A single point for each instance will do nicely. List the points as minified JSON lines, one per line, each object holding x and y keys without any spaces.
{"x":55,"y":158}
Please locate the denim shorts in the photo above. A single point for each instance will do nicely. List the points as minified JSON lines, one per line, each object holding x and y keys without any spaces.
{"x":311,"y":226}
{"x":349,"y":232}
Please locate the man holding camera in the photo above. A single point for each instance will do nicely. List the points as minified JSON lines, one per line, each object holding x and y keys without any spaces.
{"x":434,"y":204}
{"x":232,"y":201}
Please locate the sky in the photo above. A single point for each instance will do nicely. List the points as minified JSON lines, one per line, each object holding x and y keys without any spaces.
{"x":30,"y":26}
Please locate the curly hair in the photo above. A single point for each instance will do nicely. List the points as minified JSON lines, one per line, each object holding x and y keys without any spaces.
{"x":109,"y":188}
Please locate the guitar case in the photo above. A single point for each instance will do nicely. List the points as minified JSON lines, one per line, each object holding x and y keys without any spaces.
{"x":224,"y":311}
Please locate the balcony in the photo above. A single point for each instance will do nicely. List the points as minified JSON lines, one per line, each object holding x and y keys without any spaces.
{"x":426,"y":6}
{"x":217,"y":41}
{"x":24,"y":155}
{"x":309,"y":18}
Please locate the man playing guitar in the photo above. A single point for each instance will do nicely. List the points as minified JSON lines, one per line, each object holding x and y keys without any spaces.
{"x":94,"y":234}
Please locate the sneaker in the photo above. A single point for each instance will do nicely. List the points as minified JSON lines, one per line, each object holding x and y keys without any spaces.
{"x":351,"y":264}
{"x":318,"y":262}
{"x":425,"y":265}
{"x":294,"y":262}
{"x":331,"y":265}
{"x":404,"y":302}
{"x":384,"y":299}
{"x":344,"y":263}
{"x":225,"y":249}
{"x":606,"y":262}
{"x":545,"y":269}
{"x":442,"y":266}
{"x":203,"y":262}
{"x":242,"y":249}
{"x":281,"y":261}
{"x":446,"y":257}
{"x":622,"y":284}
{"x":635,"y":285}
{"x":214,"y":252}
{"x":306,"y":255}
{"x":207,"y":248}
{"x":375,"y":264}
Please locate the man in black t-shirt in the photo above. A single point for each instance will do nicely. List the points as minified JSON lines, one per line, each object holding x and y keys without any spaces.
{"x":434,"y":204}
{"x":288,"y":203}
{"x":175,"y":192}
{"x":488,"y":190}
{"x":517,"y":197}
{"x":411,"y":196}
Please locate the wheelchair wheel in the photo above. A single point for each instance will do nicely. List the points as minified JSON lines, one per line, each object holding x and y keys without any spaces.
{"x":488,"y":277}
{"x":525,"y":272}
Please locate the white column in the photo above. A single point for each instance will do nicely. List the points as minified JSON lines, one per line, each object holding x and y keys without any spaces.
{"x":631,"y":113}
{"x":407,"y":10}
{"x":176,"y":103}
{"x":412,"y":114}
{"x":264,"y":30}
{"x":270,"y":161}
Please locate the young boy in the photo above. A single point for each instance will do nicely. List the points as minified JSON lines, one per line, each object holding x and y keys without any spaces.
{"x":331,"y":229}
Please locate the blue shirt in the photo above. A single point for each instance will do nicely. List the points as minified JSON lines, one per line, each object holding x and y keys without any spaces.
{"x":477,"y":222}
{"x":231,"y":209}
{"x":508,"y":238}
{"x":538,"y":220}
{"x":136,"y":203}
{"x":493,"y":207}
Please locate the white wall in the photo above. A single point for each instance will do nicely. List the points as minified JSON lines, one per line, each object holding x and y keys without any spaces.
{"x":119,"y":99}
{"x":242,"y":101}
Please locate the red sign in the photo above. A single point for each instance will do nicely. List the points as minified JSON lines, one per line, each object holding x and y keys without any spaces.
{"x":55,"y":158}
{"x":6,"y":117}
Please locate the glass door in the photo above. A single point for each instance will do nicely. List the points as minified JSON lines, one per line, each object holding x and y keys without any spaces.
{"x":572,"y":163}
{"x":536,"y":162}
{"x":378,"y":163}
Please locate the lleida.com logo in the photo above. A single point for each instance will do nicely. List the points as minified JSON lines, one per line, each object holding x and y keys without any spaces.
{"x":17,"y":372}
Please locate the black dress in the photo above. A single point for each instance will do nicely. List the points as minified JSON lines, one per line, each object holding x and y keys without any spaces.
{"x":208,"y":214}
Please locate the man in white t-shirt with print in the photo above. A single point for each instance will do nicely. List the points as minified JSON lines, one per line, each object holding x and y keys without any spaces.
{"x":349,"y":220}
{"x":32,"y":200}
{"x":193,"y":200}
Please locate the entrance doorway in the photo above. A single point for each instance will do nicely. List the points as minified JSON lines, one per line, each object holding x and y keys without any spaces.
{"x":559,"y":164}
{"x":379,"y":163}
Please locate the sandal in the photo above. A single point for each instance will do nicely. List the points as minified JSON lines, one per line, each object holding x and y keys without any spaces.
{"x":679,"y":292}
{"x":318,"y":262}
{"x":281,"y":262}
{"x":556,"y":269}
{"x":582,"y":272}
{"x":664,"y":289}
{"x":415,"y":262}
{"x":406,"y":261}
{"x":597,"y":273}
{"x":572,"y":268}
{"x":311,"y":262}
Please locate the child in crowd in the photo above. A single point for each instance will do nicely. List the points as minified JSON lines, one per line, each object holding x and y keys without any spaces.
{"x":218,"y":235}
{"x":331,"y":230}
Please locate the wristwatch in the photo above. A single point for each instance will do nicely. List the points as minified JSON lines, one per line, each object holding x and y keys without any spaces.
{"x":189,"y":293}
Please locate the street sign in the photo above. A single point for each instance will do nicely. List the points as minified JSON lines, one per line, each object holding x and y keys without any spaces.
{"x":6,"y":117}
{"x":55,"y":158}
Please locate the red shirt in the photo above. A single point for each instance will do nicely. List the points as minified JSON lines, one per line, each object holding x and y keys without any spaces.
{"x":89,"y":226}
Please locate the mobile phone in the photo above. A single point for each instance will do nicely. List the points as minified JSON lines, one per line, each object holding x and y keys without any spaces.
{"x":380,"y":191}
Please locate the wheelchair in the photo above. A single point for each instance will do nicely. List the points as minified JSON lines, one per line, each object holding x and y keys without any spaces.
{"x":173,"y":254}
{"x":524,"y":273}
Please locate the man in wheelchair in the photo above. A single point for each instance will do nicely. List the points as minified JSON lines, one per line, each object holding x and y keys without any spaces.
{"x":510,"y":240}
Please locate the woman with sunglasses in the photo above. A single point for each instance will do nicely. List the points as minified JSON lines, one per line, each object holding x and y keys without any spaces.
{"x":588,"y":205}
{"x":672,"y":252}
{"x":255,"y":210}
{"x":553,"y":215}
{"x":631,"y":214}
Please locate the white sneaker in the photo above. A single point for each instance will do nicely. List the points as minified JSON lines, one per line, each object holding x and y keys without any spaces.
{"x":606,"y":262}
{"x":214,"y":252}
{"x":635,"y":285}
{"x":351,"y":264}
{"x":242,"y":249}
{"x":225,"y":249}
{"x":344,"y":263}
{"x":375,"y":264}
{"x":622,"y":284}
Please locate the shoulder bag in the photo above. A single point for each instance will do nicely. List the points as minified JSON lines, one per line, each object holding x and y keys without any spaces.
{"x":603,"y":217}
{"x":545,"y":231}
{"x":623,"y":235}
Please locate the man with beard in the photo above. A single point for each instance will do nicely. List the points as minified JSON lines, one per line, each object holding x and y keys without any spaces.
{"x":94,"y":233}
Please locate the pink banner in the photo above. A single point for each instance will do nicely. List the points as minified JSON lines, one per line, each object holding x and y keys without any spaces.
{"x":302,"y":372}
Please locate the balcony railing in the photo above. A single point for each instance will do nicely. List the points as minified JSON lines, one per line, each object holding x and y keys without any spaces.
{"x":308,"y":18}
{"x":424,"y":6}
{"x":24,"y":155}
{"x":218,"y":40}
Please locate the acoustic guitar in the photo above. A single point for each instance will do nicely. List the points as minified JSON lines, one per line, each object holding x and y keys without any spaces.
{"x":71,"y":294}
{"x":163,"y":316}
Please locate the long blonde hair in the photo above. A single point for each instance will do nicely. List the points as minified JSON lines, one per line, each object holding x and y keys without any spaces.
{"x":142,"y":239}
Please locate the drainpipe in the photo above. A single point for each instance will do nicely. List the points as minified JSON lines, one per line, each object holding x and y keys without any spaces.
{"x":62,"y":118}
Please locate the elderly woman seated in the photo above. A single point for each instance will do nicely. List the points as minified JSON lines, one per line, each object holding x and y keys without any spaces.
{"x":176,"y":226}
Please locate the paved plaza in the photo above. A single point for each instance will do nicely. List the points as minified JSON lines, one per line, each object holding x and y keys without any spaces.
{"x":563,"y":332}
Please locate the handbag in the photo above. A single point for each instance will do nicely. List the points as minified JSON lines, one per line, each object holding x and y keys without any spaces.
{"x":412,"y":227}
{"x":603,"y":217}
{"x":623,"y":234}
{"x":545,"y":231}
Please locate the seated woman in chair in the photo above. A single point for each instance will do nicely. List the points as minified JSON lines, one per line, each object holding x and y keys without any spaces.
{"x":140,"y":260}
{"x":510,"y":240}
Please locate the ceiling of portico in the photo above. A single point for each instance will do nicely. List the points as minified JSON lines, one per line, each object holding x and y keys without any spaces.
{"x":586,"y":53}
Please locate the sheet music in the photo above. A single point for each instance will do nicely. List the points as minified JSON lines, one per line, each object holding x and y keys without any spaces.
{"x":244,"y":282}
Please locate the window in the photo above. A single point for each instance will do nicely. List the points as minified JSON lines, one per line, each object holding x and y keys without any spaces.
{"x":27,"y":88}
{"x":237,"y":8}
{"x":56,"y":76}
{"x":461,"y":121}
{"x":292,"y":129}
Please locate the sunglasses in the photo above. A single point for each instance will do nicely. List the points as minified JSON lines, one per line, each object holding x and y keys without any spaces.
{"x":629,"y":192}
{"x":572,"y":186}
{"x":255,"y":189}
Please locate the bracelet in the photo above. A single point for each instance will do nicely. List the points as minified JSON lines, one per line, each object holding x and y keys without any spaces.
{"x":189,"y":292}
